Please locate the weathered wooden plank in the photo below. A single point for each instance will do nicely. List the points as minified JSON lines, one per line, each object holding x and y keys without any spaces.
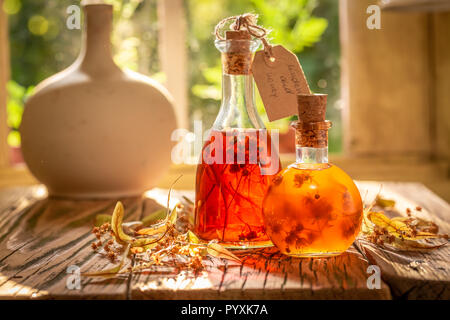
{"x":412,"y":275}
{"x":40,"y":238}
{"x":410,"y":195}
{"x":264,"y":274}
{"x":39,"y":241}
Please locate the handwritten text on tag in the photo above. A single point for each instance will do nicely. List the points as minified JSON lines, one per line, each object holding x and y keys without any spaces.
{"x":279,"y":79}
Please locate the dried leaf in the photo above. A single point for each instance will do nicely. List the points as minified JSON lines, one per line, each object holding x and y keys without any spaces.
{"x":122,"y":237}
{"x":131,"y":227}
{"x":216,"y":250}
{"x":169,"y":216}
{"x":151,"y":231}
{"x":384,"y":203}
{"x":409,"y":245}
{"x":116,"y":224}
{"x":149,"y":246}
{"x":192,"y":237}
{"x":394,"y":227}
{"x":400,"y":227}
{"x":162,"y":240}
{"x":159,"y":228}
{"x":423,"y":236}
{"x":154,"y":217}
{"x":101,"y":219}
{"x":402,"y":219}
{"x":142,"y":242}
{"x":427,"y":226}
{"x":173,"y":216}
{"x":402,"y":233}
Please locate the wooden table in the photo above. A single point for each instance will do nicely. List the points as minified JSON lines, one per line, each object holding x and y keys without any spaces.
{"x":40,"y":238}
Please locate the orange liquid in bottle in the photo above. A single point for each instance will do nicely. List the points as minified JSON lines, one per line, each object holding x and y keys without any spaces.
{"x":229,"y":196}
{"x":315,"y":212}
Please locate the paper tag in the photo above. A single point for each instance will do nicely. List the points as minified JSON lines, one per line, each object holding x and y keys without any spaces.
{"x":279,"y":80}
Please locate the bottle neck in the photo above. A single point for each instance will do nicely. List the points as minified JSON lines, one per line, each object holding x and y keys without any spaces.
{"x":308,"y":155}
{"x":238,"y":109}
{"x":311,"y":142}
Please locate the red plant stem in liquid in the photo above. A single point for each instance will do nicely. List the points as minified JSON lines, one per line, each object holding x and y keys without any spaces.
{"x":229,"y":195}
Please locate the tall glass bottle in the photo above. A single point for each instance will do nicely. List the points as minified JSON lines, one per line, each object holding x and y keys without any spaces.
{"x":312,"y":208}
{"x":238,"y":159}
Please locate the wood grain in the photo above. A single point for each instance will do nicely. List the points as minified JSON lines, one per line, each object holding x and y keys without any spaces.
{"x":412,"y":275}
{"x":40,"y":238}
{"x":266,"y":274}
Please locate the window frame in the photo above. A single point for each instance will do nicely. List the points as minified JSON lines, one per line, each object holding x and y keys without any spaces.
{"x":4,"y":76}
{"x":426,"y":166}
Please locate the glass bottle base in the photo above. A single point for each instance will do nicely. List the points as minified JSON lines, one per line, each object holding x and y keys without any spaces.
{"x":242,"y":245}
{"x":247,"y":244}
{"x":314,"y":254}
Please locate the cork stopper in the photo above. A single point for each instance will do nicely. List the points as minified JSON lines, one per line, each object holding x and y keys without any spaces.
{"x":312,"y":128}
{"x":237,"y":59}
{"x":237,"y":35}
{"x":311,"y":107}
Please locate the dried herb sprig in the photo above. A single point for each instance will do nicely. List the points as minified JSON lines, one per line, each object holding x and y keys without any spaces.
{"x":153,"y":245}
{"x":405,"y":233}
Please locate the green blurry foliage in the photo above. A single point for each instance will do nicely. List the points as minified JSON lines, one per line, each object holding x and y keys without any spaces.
{"x":309,"y":28}
{"x":14,"y":107}
{"x":41,"y":45}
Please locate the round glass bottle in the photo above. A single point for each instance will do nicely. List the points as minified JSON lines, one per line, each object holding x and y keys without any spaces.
{"x":238,"y":159}
{"x":312,"y":208}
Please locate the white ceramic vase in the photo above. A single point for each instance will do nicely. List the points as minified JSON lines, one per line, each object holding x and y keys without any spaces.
{"x":94,"y":130}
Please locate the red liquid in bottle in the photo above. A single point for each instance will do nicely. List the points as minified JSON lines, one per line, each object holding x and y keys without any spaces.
{"x":229,"y":194}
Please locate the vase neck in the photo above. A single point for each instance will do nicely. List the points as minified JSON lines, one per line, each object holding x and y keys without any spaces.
{"x":96,"y":55}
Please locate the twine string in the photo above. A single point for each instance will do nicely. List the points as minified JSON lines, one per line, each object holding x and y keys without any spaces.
{"x":246,"y":21}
